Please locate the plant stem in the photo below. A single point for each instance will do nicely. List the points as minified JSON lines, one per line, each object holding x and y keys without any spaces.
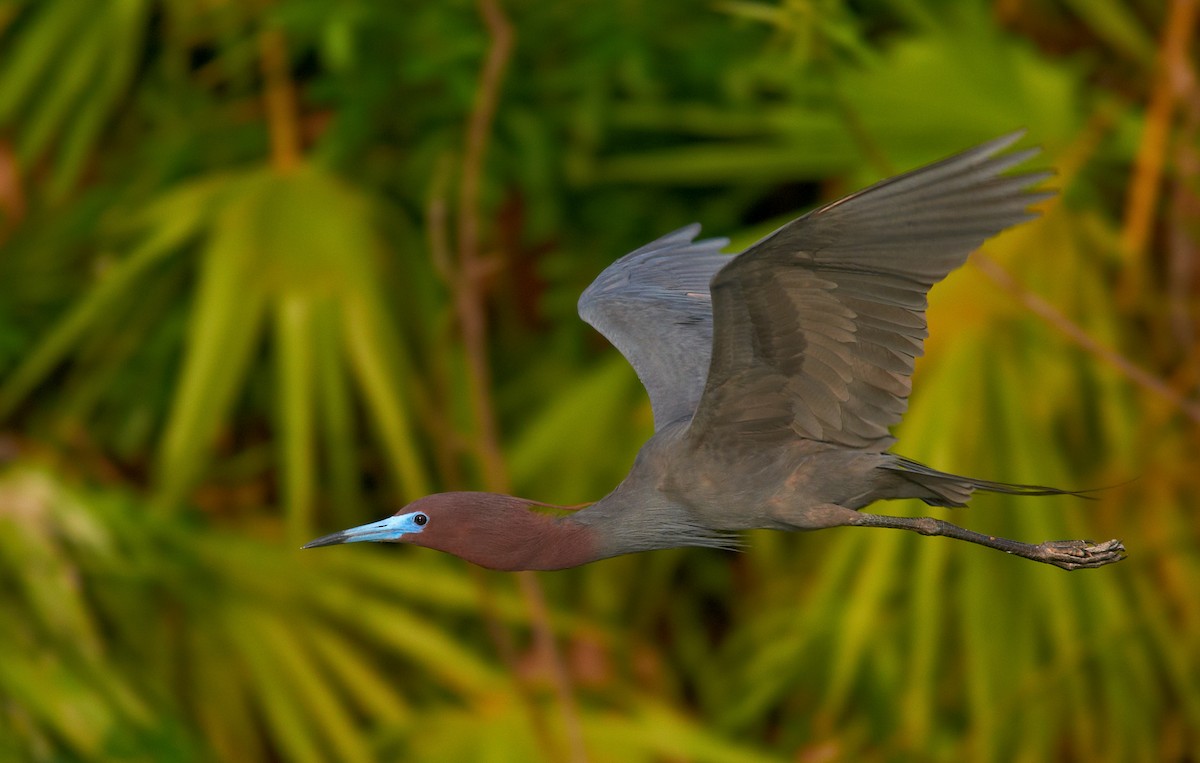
{"x":1075,"y":333}
{"x":280,"y":98}
{"x":473,"y":324}
{"x":1169,"y":83}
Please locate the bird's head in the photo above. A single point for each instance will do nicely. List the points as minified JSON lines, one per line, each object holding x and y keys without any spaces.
{"x":401,"y":527}
{"x":495,"y":531}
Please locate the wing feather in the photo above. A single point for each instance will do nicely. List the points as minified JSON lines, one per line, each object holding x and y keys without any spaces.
{"x":653,"y":304}
{"x":817,"y":326}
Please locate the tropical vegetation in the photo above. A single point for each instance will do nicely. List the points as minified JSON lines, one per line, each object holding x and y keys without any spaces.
{"x":271,"y":269}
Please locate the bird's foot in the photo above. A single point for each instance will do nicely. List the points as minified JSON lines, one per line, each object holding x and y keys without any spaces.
{"x":1075,"y":554}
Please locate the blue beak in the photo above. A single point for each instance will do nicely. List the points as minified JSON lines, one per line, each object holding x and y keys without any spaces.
{"x":390,"y":529}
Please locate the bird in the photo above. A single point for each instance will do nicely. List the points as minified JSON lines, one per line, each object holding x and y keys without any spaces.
{"x":775,"y":376}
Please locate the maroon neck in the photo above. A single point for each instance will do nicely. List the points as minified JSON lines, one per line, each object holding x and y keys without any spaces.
{"x":503,"y":533}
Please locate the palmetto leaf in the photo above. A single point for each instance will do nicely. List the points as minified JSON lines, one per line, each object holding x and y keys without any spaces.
{"x":90,"y":52}
{"x":295,"y":251}
{"x":226,"y":622}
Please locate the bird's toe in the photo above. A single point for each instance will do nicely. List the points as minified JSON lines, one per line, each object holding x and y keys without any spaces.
{"x":1077,"y":554}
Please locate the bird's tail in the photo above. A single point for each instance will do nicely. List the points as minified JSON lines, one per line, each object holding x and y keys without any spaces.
{"x":943,"y":489}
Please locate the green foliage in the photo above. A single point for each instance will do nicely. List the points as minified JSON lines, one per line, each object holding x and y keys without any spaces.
{"x":64,"y":74}
{"x":217,"y":340}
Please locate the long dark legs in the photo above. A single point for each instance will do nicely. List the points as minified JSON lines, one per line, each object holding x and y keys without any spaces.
{"x":1067,"y":554}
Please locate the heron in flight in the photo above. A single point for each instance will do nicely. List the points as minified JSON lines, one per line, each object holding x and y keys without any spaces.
{"x":774,"y":376}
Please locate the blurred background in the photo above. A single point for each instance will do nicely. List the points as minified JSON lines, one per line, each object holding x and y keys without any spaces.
{"x":272,"y":269}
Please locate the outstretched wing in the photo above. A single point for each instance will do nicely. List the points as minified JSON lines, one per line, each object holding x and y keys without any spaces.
{"x":653,"y":305}
{"x":818,"y":324}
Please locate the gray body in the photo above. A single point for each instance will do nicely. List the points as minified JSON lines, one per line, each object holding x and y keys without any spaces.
{"x":774,"y":489}
{"x":678,"y":482}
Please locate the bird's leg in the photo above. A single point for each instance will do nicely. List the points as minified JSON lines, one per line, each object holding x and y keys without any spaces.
{"x":1067,"y":554}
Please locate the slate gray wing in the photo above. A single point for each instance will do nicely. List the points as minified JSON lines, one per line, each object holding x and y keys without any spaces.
{"x":817,"y":325}
{"x":654,"y":306}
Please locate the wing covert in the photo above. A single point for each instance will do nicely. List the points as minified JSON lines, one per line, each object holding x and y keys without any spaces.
{"x":654,"y":306}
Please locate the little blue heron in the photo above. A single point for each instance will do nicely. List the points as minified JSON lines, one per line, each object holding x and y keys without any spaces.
{"x":774,"y":377}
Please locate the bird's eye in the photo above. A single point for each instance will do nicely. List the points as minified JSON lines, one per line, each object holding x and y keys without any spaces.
{"x":420,"y":519}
